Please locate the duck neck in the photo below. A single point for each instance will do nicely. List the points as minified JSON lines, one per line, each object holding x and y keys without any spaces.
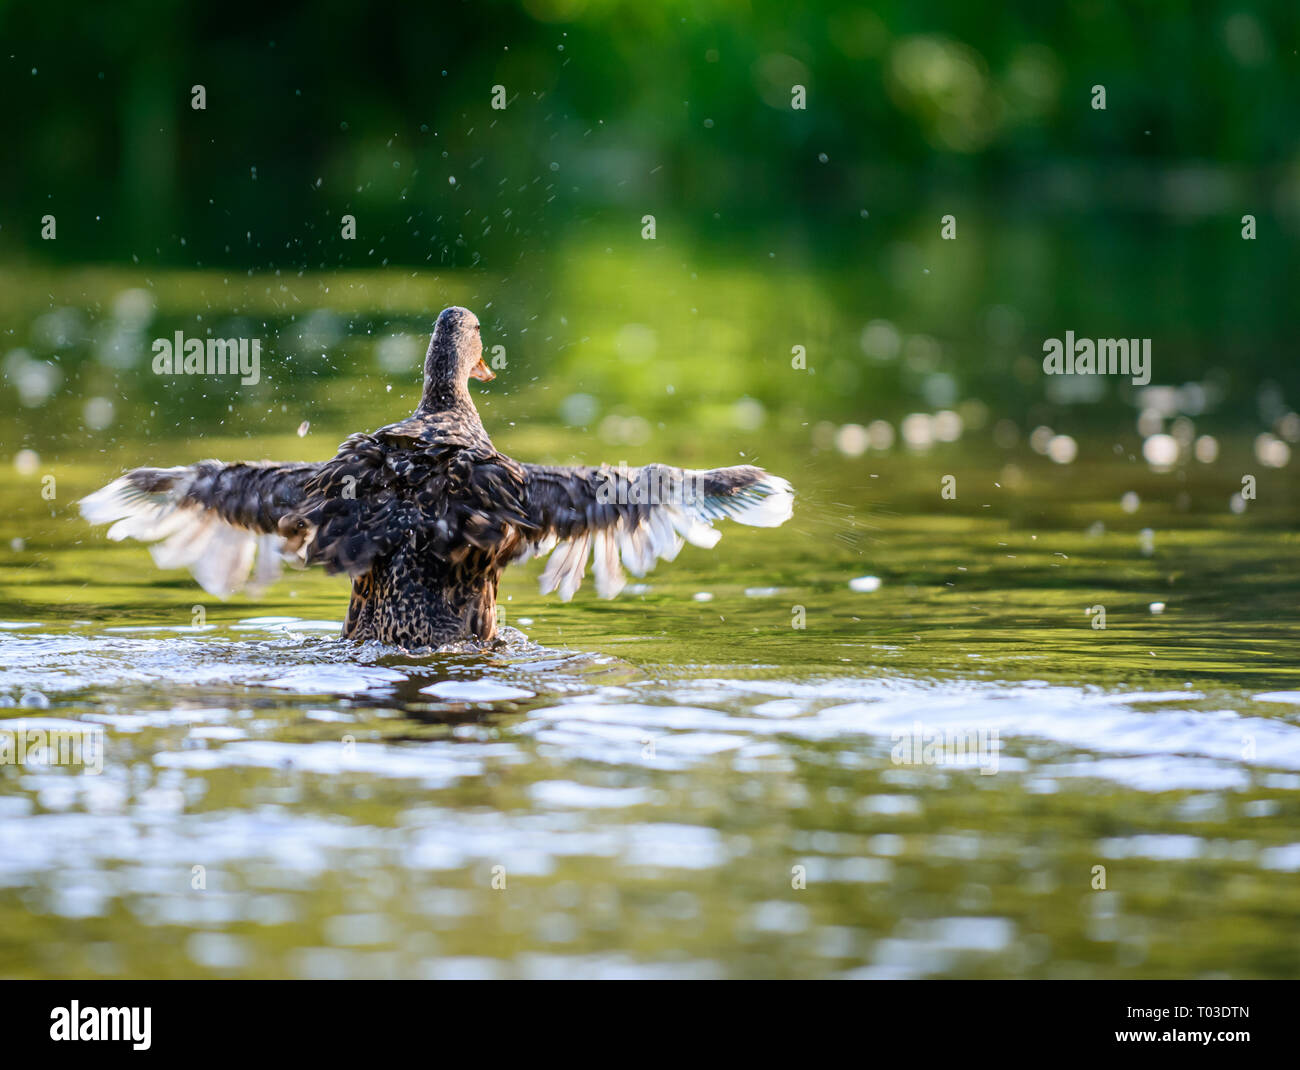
{"x":446,"y":396}
{"x":445,"y":388}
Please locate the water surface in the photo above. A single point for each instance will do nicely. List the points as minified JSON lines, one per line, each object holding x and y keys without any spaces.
{"x":732,"y":770}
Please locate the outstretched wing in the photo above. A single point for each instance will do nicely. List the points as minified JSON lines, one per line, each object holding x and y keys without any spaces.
{"x":382,"y":491}
{"x":222,"y":521}
{"x":636,"y":516}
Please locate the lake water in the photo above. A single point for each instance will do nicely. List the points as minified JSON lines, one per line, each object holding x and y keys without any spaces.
{"x":885,"y":740}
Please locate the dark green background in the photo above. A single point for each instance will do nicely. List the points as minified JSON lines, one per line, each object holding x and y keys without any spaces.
{"x":1123,"y":222}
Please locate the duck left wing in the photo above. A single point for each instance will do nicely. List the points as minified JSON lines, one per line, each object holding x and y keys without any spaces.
{"x":222,"y":521}
{"x":637,"y":516}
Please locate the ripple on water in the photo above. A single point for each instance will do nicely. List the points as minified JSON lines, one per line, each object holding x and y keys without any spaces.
{"x":281,"y":758}
{"x":336,"y":679}
{"x":475,"y":691}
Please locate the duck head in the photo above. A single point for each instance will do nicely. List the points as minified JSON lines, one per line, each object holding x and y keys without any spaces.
{"x":456,"y":351}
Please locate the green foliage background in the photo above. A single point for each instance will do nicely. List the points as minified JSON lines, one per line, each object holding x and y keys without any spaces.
{"x":775,"y":226}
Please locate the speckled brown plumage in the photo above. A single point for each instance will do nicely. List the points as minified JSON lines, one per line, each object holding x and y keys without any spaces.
{"x":423,"y":515}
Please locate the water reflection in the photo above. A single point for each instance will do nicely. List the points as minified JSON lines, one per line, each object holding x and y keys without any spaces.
{"x":291,"y":804}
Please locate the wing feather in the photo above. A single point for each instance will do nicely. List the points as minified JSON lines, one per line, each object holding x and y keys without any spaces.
{"x":215,"y":519}
{"x":631,"y":518}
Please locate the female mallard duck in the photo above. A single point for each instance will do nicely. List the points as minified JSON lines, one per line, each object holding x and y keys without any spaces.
{"x":424,"y":514}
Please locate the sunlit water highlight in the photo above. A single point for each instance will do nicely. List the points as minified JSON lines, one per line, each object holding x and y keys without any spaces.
{"x":668,"y":786}
{"x":884,"y":740}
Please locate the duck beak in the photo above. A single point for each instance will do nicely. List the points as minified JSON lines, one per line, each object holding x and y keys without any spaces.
{"x":482,"y":372}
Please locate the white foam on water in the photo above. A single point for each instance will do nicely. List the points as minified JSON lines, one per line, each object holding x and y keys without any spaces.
{"x":475,"y":691}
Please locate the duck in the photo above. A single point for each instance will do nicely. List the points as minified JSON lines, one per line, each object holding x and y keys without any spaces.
{"x":424,"y":515}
